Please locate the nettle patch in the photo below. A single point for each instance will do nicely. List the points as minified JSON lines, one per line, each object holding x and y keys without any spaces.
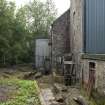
{"x":19,"y":92}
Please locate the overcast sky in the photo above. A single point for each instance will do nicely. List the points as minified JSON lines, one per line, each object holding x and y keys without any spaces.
{"x":61,"y":5}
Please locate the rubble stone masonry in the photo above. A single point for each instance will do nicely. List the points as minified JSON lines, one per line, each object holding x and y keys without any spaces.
{"x":99,"y":73}
{"x":76,"y":31}
{"x":60,"y":36}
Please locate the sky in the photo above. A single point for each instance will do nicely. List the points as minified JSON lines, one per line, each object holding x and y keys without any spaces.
{"x":61,"y":5}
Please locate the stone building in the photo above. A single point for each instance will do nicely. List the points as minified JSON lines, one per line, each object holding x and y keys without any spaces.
{"x":60,"y":39}
{"x":81,"y":32}
{"x":87,"y":32}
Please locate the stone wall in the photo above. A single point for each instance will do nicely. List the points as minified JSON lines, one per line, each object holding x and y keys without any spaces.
{"x":76,"y":31}
{"x":99,"y":73}
{"x":60,"y":36}
{"x":77,"y":35}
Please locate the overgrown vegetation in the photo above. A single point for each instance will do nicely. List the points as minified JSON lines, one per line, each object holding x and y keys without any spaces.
{"x":91,"y":101}
{"x":98,"y":97}
{"x":26,"y":92}
{"x":20,"y":26}
{"x":95,"y":98}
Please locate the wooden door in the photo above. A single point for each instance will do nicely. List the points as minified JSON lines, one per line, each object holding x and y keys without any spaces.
{"x":91,"y":82}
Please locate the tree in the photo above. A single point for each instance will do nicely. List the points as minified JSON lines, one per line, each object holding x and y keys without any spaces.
{"x":6,"y":19}
{"x":40,"y":16}
{"x":19,"y":27}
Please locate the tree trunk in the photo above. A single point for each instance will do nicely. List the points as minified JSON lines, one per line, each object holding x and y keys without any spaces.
{"x":4,"y":60}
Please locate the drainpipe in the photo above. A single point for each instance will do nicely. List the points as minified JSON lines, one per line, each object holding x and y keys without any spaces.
{"x":52,"y":53}
{"x":51,"y":46}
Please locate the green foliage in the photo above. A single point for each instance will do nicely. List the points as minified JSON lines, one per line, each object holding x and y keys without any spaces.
{"x":26,"y":94}
{"x":98,"y":97}
{"x":95,"y":99}
{"x":41,"y":16}
{"x":19,"y":27}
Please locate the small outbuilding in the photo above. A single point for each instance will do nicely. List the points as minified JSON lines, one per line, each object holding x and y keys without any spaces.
{"x":42,"y":54}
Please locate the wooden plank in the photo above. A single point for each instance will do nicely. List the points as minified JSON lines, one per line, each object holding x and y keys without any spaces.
{"x":68,"y":62}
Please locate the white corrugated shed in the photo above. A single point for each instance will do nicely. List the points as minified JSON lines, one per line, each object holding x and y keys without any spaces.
{"x":41,"y":51}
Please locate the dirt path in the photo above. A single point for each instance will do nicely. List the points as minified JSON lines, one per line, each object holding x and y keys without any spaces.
{"x":5,"y":92}
{"x":47,"y":97}
{"x":72,"y":93}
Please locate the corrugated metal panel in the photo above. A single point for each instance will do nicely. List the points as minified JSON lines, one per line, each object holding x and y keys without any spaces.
{"x":95,"y":26}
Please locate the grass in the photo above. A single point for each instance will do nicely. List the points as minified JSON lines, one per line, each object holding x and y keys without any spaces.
{"x":26,"y":92}
{"x":95,"y":99}
{"x":98,"y":97}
